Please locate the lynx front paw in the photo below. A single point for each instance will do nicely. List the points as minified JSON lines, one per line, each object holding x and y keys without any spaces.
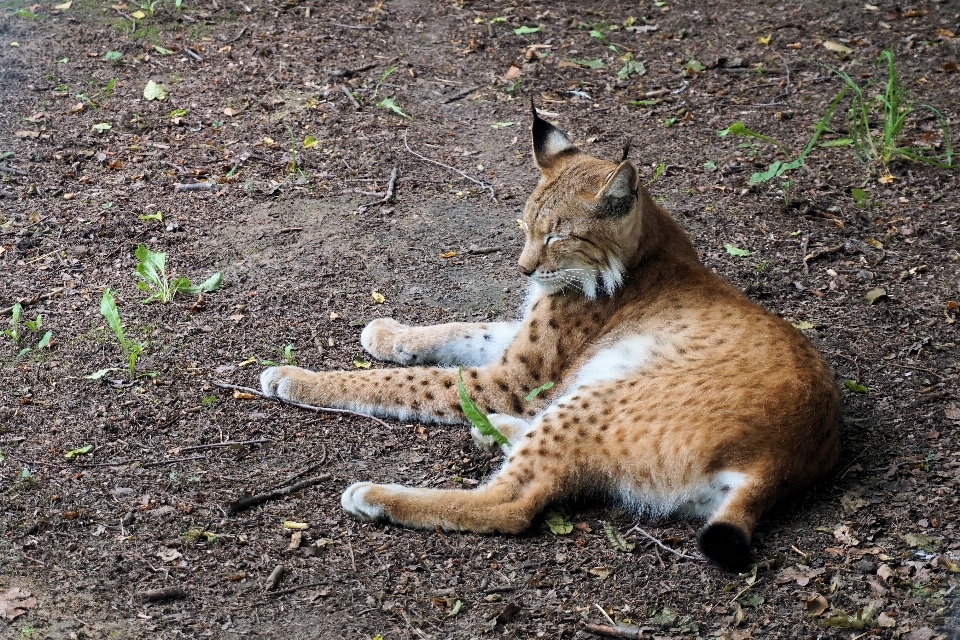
{"x":286,"y":383}
{"x":382,"y":339}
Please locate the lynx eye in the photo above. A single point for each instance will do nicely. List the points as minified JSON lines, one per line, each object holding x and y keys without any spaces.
{"x":551,"y":238}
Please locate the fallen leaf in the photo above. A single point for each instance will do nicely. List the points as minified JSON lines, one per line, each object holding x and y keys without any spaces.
{"x":617,"y":541}
{"x":816,"y":605}
{"x":227,"y":111}
{"x":139,"y":15}
{"x":886,"y":179}
{"x":169,"y":555}
{"x":803,"y":325}
{"x":558,"y":523}
{"x":801,"y":574}
{"x":843,"y":535}
{"x":242,"y":395}
{"x":851,"y":501}
{"x":27,"y":134}
{"x":64,"y":6}
{"x":885,"y":621}
{"x":873,"y":242}
{"x":509,"y":614}
{"x":448,"y":254}
{"x":377,"y":297}
{"x":361,"y":364}
{"x":836,"y":47}
{"x":601,"y":572}
{"x":920,"y":541}
{"x":512,"y":73}
{"x":525,"y":30}
{"x":15,"y":602}
{"x":950,"y":67}
{"x":765,"y":40}
{"x":153,"y":91}
{"x":875,"y":295}
{"x":735,"y":250}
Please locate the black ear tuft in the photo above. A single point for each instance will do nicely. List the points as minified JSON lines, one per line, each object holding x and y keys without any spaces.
{"x":626,"y":150}
{"x":725,"y":545}
{"x":549,"y":142}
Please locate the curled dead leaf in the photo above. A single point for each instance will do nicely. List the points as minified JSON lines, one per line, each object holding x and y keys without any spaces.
{"x":875,"y":295}
{"x":816,"y":605}
{"x":242,"y":395}
{"x":836,"y":47}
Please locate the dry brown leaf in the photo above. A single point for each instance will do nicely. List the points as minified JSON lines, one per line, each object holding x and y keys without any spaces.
{"x":448,"y":254}
{"x":816,"y":605}
{"x":886,"y":179}
{"x":885,"y":621}
{"x":512,"y":73}
{"x":242,"y":395}
{"x":229,"y":112}
{"x":950,"y":67}
{"x":842,"y":533}
{"x":15,"y":602}
{"x":27,"y":134}
{"x":875,"y":295}
{"x":836,"y":47}
{"x":601,"y":572}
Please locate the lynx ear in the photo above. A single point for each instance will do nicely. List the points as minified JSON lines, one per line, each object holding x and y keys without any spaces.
{"x":549,"y":142}
{"x":619,"y":193}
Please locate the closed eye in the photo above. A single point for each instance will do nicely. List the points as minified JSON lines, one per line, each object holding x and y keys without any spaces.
{"x":551,"y":238}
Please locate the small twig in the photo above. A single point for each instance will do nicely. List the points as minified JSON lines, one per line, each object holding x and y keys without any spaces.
{"x":238,"y":36}
{"x":192,"y":54}
{"x":460,"y":95}
{"x":813,"y":255}
{"x":252,"y":501}
{"x":128,"y":17}
{"x":160,"y":463}
{"x":301,"y":405}
{"x":350,"y":95}
{"x":616,"y":631}
{"x":290,"y":230}
{"x":483,"y":185}
{"x":5,"y":169}
{"x":482,"y":251}
{"x":663,"y":546}
{"x":42,"y":564}
{"x":804,"y":241}
{"x":391,"y":186}
{"x":353,"y":560}
{"x":349,"y":73}
{"x":605,"y":615}
{"x":847,"y":358}
{"x":906,"y":366}
{"x":161,"y":595}
{"x":310,"y":469}
{"x":350,"y":26}
{"x":502,"y":589}
{"x":283,"y":592}
{"x":274,"y":578}
{"x":197,"y":186}
{"x":217,"y":445}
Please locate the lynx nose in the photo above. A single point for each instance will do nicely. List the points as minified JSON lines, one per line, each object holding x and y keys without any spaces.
{"x":525,"y":271}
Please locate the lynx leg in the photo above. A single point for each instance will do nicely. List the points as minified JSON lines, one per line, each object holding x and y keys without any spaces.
{"x":506,"y":504}
{"x":725,"y":538}
{"x":453,"y":344}
{"x":511,"y":428}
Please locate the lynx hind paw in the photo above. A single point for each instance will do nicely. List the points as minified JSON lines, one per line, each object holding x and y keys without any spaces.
{"x":509,"y":427}
{"x":381,"y":339}
{"x":353,"y":502}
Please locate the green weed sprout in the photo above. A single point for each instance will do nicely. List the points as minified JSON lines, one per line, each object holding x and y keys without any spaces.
{"x":777,"y":168}
{"x":476,"y":417}
{"x":33,"y":326}
{"x":895,"y":104}
{"x":151,"y":270}
{"x":131,"y":349}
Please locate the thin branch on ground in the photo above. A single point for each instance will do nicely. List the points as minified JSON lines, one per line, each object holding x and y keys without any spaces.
{"x":804,"y":241}
{"x":649,"y":537}
{"x":481,"y":183}
{"x":391,"y":187}
{"x":350,"y":26}
{"x":217,"y":445}
{"x":97,"y":465}
{"x":352,"y":98}
{"x":128,"y":17}
{"x":309,"y":407}
{"x":847,"y":358}
{"x":316,"y":465}
{"x":615,"y":631}
{"x":242,"y":504}
{"x":460,"y":95}
{"x":308,"y":585}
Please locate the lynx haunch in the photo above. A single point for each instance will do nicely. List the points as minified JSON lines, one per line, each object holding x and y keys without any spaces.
{"x":673,"y":392}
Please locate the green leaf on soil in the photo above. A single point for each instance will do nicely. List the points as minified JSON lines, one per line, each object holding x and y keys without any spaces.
{"x":101,"y":127}
{"x":96,"y":375}
{"x":669,"y":122}
{"x":862,"y":619}
{"x":162,"y":51}
{"x":210,"y":284}
{"x":656,"y":174}
{"x":361,"y":364}
{"x":177,"y":113}
{"x":839,"y":142}
{"x":754,"y":601}
{"x":860,"y":201}
{"x":854,"y":386}
{"x":153,"y":91}
{"x":309,"y":142}
{"x":665,"y":618}
{"x":82,"y":451}
{"x":456,"y":609}
{"x":631,"y":67}
{"x":617,"y":541}
{"x":520,"y":31}
{"x":156,"y":217}
{"x":920,"y":541}
{"x":694,"y":65}
{"x":45,"y":340}
{"x":642,"y":103}
{"x":390,"y":105}
{"x":803,"y":325}
{"x":558,"y":523}
{"x":596,"y":63}
{"x":112,"y":56}
{"x":736,"y":251}
{"x":476,"y":417}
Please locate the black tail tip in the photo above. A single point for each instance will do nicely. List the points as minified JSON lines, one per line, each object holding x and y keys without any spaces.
{"x":725,"y":545}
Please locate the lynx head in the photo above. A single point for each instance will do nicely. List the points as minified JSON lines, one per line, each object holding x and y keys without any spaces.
{"x":582,"y":222}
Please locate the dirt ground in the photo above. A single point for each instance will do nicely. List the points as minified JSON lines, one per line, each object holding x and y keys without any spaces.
{"x":259,"y":111}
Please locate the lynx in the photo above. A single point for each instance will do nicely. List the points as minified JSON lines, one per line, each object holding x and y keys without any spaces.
{"x":673,"y":392}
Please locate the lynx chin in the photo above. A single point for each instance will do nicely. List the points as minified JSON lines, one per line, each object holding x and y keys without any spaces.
{"x":673,"y":392}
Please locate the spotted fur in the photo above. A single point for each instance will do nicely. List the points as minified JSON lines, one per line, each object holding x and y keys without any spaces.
{"x":673,"y":392}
